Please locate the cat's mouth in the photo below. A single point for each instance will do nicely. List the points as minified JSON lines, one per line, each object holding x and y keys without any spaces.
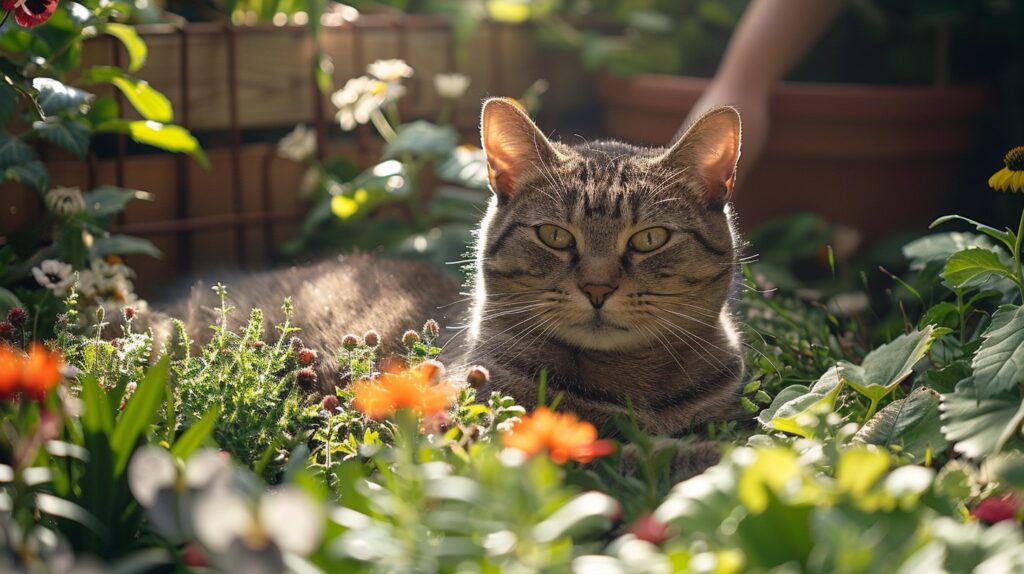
{"x":600,"y":322}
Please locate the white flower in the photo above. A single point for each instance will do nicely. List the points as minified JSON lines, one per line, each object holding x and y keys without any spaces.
{"x":451,"y":86}
{"x":286,"y":517}
{"x":54,"y":275}
{"x":389,"y":70}
{"x":298,"y":145}
{"x":357,"y":100}
{"x":392,"y":92}
{"x":65,"y":200}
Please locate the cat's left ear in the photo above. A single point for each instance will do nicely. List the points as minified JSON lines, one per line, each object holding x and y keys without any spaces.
{"x":711,"y":146}
{"x":513,"y":145}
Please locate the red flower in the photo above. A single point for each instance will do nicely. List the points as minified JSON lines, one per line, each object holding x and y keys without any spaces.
{"x":30,"y":13}
{"x":33,"y":374}
{"x":650,"y":529}
{"x":997,"y":508}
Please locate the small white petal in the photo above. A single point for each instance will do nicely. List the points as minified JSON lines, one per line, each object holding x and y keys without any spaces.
{"x":150,"y":470}
{"x":220,"y":516}
{"x":292,"y":519}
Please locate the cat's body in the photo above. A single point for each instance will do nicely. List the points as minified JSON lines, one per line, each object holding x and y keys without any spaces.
{"x":606,"y":265}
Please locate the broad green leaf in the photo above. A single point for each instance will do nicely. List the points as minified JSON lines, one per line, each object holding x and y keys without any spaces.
{"x":999,"y":363}
{"x":151,"y":104}
{"x":108,"y":199}
{"x":164,"y":136}
{"x":137,"y":50}
{"x":974,"y":268}
{"x":67,"y":133}
{"x":8,"y":300}
{"x":33,"y":174}
{"x":888,"y":365}
{"x":859,"y":469}
{"x":422,"y":138}
{"x":13,"y":151}
{"x":1009,"y":467}
{"x":139,"y":413}
{"x":193,"y":438}
{"x":466,"y":166}
{"x":912,"y":423}
{"x":977,"y":426}
{"x":124,"y":245}
{"x":940,"y":246}
{"x":790,"y":407}
{"x":1002,"y":236}
{"x":97,"y":414}
{"x":56,"y":97}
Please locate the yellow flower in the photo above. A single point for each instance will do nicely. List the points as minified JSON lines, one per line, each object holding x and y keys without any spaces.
{"x":1010,"y":177}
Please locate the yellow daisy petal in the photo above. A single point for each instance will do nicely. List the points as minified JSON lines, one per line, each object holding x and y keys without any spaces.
{"x":1017,"y":183}
{"x":999,"y":179}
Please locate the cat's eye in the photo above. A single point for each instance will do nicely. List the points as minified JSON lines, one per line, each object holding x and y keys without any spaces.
{"x":649,"y":239}
{"x":554,"y":236}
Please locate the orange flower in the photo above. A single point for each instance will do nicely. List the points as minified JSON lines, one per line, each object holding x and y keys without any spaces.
{"x":562,"y":435}
{"x":33,"y":374}
{"x":410,"y":389}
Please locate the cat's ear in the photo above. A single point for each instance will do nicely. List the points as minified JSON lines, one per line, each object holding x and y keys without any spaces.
{"x":512,"y":144}
{"x":711,"y":146}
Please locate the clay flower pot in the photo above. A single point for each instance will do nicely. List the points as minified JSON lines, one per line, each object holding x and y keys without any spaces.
{"x":879,"y":158}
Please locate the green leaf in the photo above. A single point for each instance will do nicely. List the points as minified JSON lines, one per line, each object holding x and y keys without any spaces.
{"x":8,"y":103}
{"x":139,"y":413}
{"x":888,"y":365}
{"x":974,"y":268}
{"x":72,"y":135}
{"x":465,"y":166}
{"x":912,"y":422}
{"x":193,"y":438}
{"x":999,"y":363}
{"x":791,"y":406}
{"x":55,"y":97}
{"x":8,"y":300}
{"x":151,"y":104}
{"x":33,"y":174}
{"x":940,"y":246}
{"x":97,"y":414}
{"x":1002,"y":236}
{"x":108,"y":199}
{"x":56,"y":506}
{"x":422,"y":138}
{"x":124,"y":245}
{"x":164,"y":136}
{"x":136,"y":47}
{"x":13,"y":151}
{"x":977,"y":426}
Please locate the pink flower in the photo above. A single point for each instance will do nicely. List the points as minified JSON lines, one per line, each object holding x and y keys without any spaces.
{"x":997,"y":508}
{"x":30,"y":13}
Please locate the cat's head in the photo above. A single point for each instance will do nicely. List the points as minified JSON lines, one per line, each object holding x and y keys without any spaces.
{"x":605,"y":245}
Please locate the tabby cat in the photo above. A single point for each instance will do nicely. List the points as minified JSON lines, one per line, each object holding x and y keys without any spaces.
{"x":607,"y":265}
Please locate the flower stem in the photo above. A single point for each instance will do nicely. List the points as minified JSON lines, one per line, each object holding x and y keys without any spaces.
{"x":7,"y":15}
{"x":1017,"y":254}
{"x":382,"y":125}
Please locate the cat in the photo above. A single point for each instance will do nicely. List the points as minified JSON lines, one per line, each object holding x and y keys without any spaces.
{"x":608,"y":266}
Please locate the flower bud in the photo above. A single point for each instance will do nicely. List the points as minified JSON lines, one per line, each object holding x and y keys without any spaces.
{"x":431,"y":329}
{"x":371,"y":338}
{"x":329,"y":403}
{"x":307,"y":356}
{"x":129,"y":313}
{"x":350,"y":342}
{"x":478,"y":376}
{"x":306,"y":377}
{"x":6,"y":331}
{"x":410,"y":338}
{"x":432,"y":370}
{"x":17,"y":316}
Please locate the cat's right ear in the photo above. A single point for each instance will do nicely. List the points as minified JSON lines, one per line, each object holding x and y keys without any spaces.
{"x":513,"y":146}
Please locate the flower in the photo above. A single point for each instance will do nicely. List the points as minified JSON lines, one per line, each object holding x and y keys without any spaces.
{"x":329,"y":403}
{"x":562,"y":435}
{"x":410,"y":338}
{"x":6,"y":331}
{"x":32,"y":374}
{"x":409,"y":389}
{"x":371,"y":338}
{"x":65,"y":201}
{"x":54,"y":275}
{"x":359,"y":98}
{"x":307,"y":356}
{"x":298,"y":145}
{"x":390,"y":70}
{"x":17,"y":316}
{"x":349,"y":342}
{"x":30,"y":13}
{"x":1010,"y":177}
{"x":431,"y":329}
{"x":650,"y":529}
{"x":451,"y":86}
{"x":306,"y":377}
{"x":997,"y":509}
{"x":478,"y":376}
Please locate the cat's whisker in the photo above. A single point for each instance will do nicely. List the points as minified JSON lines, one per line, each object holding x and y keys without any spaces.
{"x":676,"y":331}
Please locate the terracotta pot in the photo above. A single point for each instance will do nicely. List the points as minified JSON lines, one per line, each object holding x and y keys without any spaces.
{"x":879,"y":158}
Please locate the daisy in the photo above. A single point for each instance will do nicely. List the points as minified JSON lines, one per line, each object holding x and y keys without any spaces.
{"x":357,"y":100}
{"x":65,"y":201}
{"x":451,"y":86}
{"x":1011,"y":177}
{"x":298,"y":145}
{"x":54,"y":275}
{"x":390,"y":70}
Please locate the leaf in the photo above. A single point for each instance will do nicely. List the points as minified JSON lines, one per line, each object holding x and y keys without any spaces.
{"x":859,"y":469}
{"x":55,"y":506}
{"x":72,"y":135}
{"x":164,"y":136}
{"x":137,"y":50}
{"x":1002,"y":236}
{"x":139,"y":413}
{"x":8,"y":300}
{"x":888,"y":365}
{"x":32,"y":174}
{"x":124,"y":245}
{"x":422,"y":138}
{"x":466,"y":166}
{"x":8,"y":103}
{"x":940,"y":246}
{"x":796,"y":402}
{"x":999,"y":363}
{"x":974,"y":268}
{"x":55,"y":97}
{"x":108,"y":199}
{"x":979,"y":427}
{"x":13,"y":151}
{"x":911,"y":422}
{"x":193,"y":438}
{"x":150,"y":103}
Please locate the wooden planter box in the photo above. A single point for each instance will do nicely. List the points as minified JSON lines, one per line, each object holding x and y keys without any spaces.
{"x":878,"y":158}
{"x":237,"y":84}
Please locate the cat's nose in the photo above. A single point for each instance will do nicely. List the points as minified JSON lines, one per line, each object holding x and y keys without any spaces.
{"x":597,"y":294}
